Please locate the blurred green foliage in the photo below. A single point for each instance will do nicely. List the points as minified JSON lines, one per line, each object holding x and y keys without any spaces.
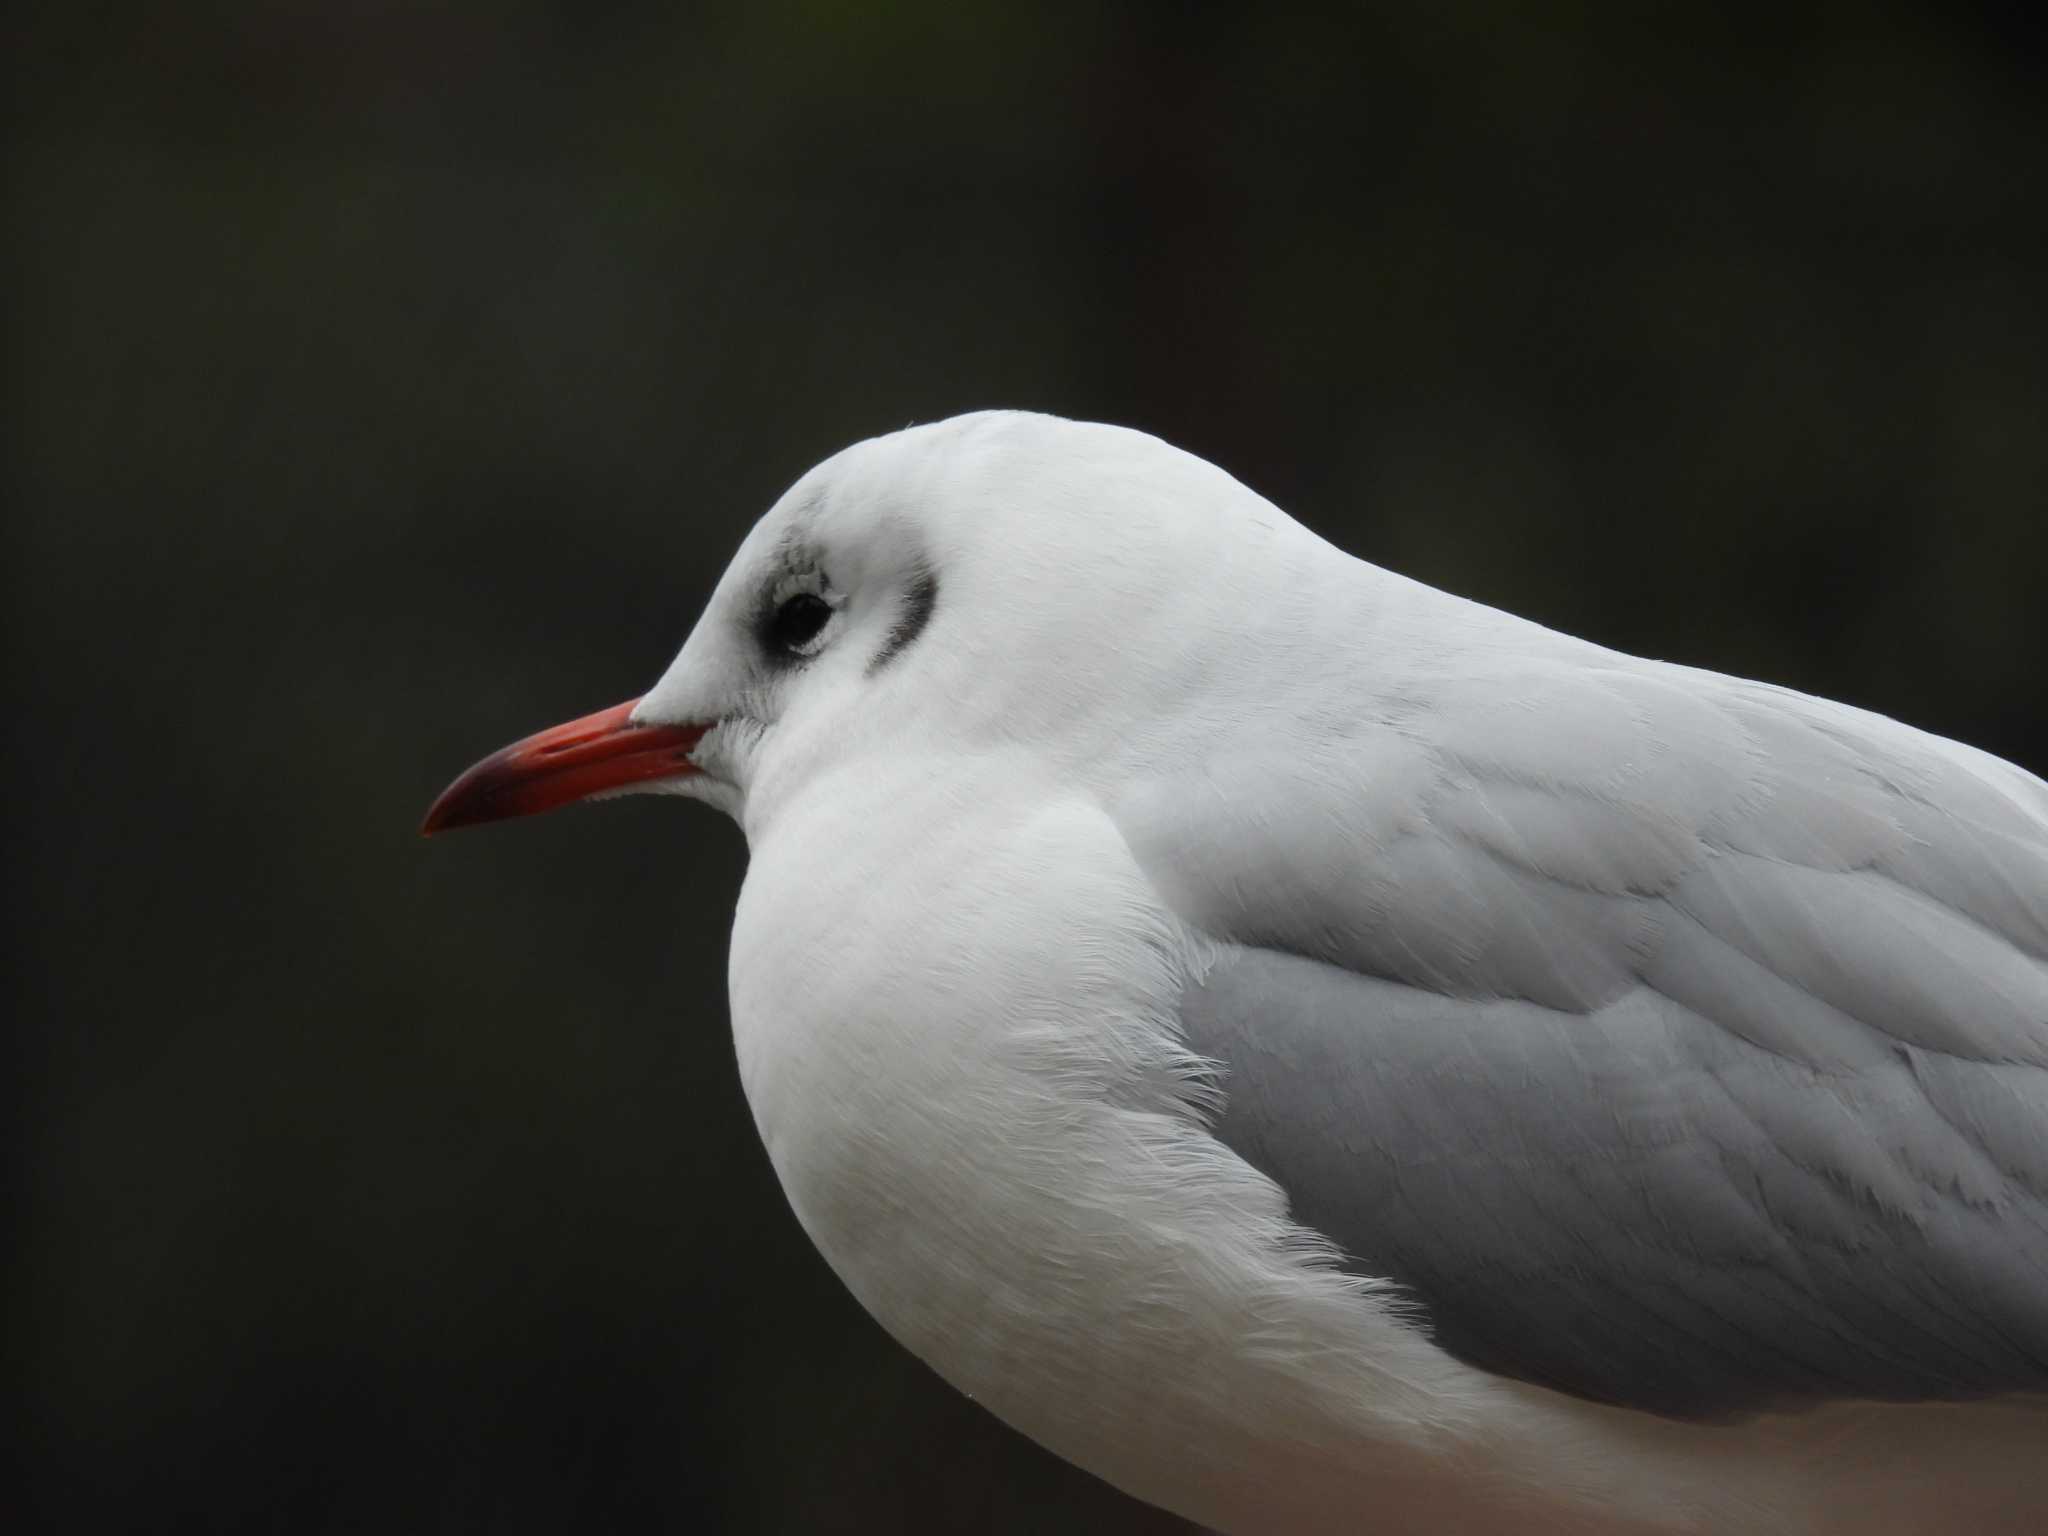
{"x":390,"y":379}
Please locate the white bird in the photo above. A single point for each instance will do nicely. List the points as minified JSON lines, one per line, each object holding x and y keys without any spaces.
{"x":1329,"y":1056}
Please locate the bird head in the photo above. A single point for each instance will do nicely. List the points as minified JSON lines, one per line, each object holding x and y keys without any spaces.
{"x":992,"y":582}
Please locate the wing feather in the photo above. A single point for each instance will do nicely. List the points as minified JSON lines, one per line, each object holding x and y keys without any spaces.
{"x":1678,"y":1042}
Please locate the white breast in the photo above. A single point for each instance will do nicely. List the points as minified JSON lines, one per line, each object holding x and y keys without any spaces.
{"x":965,"y":1074}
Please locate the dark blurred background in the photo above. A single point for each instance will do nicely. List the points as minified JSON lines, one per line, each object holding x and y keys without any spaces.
{"x":387,"y":380}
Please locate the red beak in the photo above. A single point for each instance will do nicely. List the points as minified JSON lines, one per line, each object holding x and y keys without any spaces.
{"x":570,"y":762}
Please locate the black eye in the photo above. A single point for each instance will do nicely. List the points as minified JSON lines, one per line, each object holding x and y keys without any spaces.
{"x":798,"y":620}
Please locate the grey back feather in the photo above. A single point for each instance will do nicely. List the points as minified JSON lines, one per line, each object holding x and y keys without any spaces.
{"x":1676,"y":1042}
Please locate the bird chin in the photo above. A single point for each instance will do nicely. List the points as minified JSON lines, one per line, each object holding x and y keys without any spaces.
{"x":718,"y":793}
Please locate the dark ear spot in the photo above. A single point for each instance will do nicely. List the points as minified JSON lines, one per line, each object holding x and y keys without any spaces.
{"x":918,"y":604}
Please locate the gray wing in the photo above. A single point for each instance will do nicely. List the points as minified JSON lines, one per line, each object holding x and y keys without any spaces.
{"x":1676,"y":1042}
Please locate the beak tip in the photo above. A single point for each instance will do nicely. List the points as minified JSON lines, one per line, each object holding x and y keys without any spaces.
{"x":459,"y":805}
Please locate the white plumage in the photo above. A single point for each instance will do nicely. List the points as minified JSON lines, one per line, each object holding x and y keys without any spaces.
{"x":1329,"y":1056}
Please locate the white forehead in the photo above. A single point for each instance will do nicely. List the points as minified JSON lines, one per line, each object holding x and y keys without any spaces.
{"x":1003,"y":484}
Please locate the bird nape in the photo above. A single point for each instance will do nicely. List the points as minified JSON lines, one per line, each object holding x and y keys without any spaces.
{"x":1312,"y":1049}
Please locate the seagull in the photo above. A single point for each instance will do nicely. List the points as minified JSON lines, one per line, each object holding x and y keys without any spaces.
{"x":1328,"y":1056}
